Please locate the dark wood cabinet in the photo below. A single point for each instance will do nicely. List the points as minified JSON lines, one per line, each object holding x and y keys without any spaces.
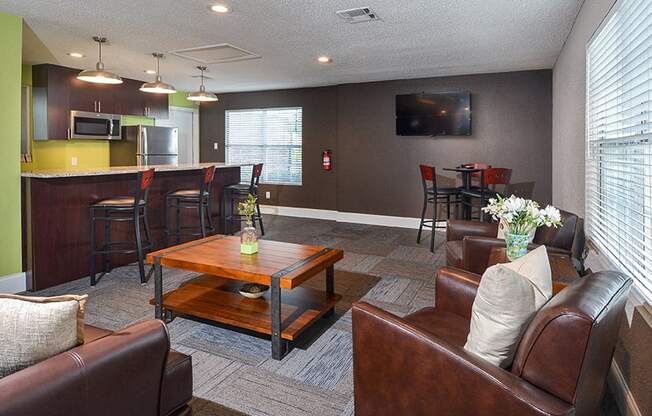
{"x":57,"y":91}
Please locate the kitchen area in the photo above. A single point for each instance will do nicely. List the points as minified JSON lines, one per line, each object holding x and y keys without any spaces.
{"x":87,"y":136}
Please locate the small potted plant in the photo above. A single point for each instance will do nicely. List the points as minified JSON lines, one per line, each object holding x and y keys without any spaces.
{"x":248,"y":236}
{"x":521,"y":218}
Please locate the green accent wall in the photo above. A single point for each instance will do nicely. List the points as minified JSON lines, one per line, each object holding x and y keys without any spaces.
{"x":178,"y":99}
{"x":10,"y":75}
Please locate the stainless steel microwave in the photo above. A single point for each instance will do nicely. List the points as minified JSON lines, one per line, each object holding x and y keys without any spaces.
{"x":85,"y":125}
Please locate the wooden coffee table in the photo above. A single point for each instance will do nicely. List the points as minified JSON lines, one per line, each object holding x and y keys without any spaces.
{"x":213,"y":297}
{"x":561,"y":266}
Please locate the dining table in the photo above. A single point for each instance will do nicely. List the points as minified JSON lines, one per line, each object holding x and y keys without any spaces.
{"x":466,"y":173}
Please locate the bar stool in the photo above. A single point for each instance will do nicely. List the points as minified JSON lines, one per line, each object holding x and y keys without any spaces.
{"x":489,"y":178}
{"x":199,"y":199}
{"x":432,"y":194}
{"x":122,"y":209}
{"x":239,"y":191}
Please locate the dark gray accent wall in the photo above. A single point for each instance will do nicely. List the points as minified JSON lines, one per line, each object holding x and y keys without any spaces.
{"x":375,"y":171}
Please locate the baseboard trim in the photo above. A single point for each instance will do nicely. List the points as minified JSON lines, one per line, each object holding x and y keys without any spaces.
{"x":623,"y":396}
{"x":13,"y":283}
{"x":351,"y":217}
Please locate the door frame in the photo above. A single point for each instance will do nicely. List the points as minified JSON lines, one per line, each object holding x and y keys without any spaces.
{"x":195,"y":128}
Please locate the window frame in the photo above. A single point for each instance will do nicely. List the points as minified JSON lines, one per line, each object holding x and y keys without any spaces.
{"x":263,"y":179}
{"x":599,"y":148}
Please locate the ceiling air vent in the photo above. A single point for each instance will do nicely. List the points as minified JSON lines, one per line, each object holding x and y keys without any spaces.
{"x":215,"y":54}
{"x":358,"y":15}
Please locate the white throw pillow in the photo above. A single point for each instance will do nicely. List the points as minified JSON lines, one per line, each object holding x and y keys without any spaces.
{"x":505,"y":303}
{"x":33,"y":329}
{"x":535,"y":266}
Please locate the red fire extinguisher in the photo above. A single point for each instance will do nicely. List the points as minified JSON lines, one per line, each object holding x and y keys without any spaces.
{"x":326,"y":160}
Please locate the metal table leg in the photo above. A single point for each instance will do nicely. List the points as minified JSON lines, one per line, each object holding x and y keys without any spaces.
{"x":330,"y":288}
{"x":279,"y":346}
{"x":158,"y":289}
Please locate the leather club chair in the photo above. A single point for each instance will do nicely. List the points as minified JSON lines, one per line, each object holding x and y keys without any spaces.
{"x":132,"y":372}
{"x":469,"y":243}
{"x":417,"y":365}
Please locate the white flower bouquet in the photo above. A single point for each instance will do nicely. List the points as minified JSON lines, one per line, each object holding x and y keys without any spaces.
{"x":522,"y":216}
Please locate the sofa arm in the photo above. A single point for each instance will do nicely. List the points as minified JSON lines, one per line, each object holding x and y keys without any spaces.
{"x":401,"y":370}
{"x":455,"y":290}
{"x":458,"y":229}
{"x":119,"y":374}
{"x":476,"y":252}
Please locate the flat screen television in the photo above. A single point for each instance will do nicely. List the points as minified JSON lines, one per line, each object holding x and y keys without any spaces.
{"x":447,"y":114}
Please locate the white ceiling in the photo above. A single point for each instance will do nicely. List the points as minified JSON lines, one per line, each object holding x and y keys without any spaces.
{"x":416,"y":38}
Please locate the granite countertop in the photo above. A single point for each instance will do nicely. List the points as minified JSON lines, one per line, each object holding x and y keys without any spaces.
{"x":118,"y":170}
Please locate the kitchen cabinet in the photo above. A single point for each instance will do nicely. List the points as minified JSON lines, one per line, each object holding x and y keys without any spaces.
{"x":57,"y":91}
{"x":96,"y":98}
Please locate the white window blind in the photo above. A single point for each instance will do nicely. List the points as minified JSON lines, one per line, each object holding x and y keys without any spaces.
{"x":618,"y":150}
{"x":272,"y":136}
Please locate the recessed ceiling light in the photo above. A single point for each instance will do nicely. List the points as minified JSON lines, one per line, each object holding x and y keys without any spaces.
{"x":150,"y":71}
{"x":75,"y":54}
{"x":324,"y":60}
{"x":220,"y":8}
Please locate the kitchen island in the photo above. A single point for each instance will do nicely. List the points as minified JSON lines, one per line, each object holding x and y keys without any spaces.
{"x":56,"y":233}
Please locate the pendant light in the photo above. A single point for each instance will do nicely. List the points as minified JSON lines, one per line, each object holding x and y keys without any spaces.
{"x":201,"y":95}
{"x":99,"y":75}
{"x":158,"y":86}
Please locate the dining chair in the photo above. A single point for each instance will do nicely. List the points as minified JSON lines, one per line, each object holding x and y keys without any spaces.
{"x":433,"y":194}
{"x":489,"y":179}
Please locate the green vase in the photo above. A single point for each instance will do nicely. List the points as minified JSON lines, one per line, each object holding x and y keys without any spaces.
{"x":516,"y":245}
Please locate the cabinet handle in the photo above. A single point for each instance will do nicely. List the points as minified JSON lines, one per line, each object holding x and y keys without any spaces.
{"x":95,"y":106}
{"x":99,"y":106}
{"x":68,"y":133}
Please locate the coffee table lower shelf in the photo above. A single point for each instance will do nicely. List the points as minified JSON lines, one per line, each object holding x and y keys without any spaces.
{"x":217,"y":299}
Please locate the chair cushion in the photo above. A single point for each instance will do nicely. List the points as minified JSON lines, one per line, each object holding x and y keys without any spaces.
{"x":505,"y":303}
{"x":238,"y":187}
{"x":33,"y":329}
{"x":444,"y":191}
{"x":176,"y":389}
{"x":185,"y":193}
{"x":445,"y":325}
{"x":454,"y":253}
{"x":118,"y":201}
{"x":477,"y":193}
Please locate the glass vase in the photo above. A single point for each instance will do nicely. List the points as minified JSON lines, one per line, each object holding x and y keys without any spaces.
{"x":516,"y":245}
{"x":248,"y":240}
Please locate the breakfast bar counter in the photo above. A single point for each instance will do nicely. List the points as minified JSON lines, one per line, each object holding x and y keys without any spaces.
{"x":56,"y":242}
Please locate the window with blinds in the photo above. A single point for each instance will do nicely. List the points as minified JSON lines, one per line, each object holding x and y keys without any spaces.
{"x":618,"y":147}
{"x":271,"y":136}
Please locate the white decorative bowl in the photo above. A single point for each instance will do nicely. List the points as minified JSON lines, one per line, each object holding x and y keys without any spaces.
{"x":246,"y":291}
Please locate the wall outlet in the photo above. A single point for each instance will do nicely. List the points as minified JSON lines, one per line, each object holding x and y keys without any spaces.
{"x":214,"y":145}
{"x":268,"y":194}
{"x":73,"y":161}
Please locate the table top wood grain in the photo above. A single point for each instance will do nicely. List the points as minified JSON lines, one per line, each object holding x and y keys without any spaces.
{"x":220,"y":255}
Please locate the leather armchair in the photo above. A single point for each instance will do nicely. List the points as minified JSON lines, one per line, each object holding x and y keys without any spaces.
{"x":130,"y":372}
{"x":417,"y":365}
{"x":469,"y":243}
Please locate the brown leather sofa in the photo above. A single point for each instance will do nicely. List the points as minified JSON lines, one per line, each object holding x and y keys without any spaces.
{"x":417,"y":365}
{"x":130,"y":372}
{"x":469,"y":243}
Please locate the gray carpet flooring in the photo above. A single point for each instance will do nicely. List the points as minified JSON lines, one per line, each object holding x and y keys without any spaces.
{"x":235,"y":370}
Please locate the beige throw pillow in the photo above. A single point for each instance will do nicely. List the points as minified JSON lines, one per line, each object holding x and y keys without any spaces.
{"x":505,"y":303}
{"x":35,"y":328}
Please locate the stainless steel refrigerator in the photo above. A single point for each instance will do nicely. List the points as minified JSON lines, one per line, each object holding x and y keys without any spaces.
{"x":146,"y":145}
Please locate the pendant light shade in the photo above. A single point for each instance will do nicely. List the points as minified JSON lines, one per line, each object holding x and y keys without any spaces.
{"x":158,"y":86}
{"x":201,"y":95}
{"x":99,"y":75}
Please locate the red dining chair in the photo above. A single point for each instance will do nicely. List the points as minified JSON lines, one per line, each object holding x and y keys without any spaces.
{"x":489,"y":178}
{"x":433,"y":194}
